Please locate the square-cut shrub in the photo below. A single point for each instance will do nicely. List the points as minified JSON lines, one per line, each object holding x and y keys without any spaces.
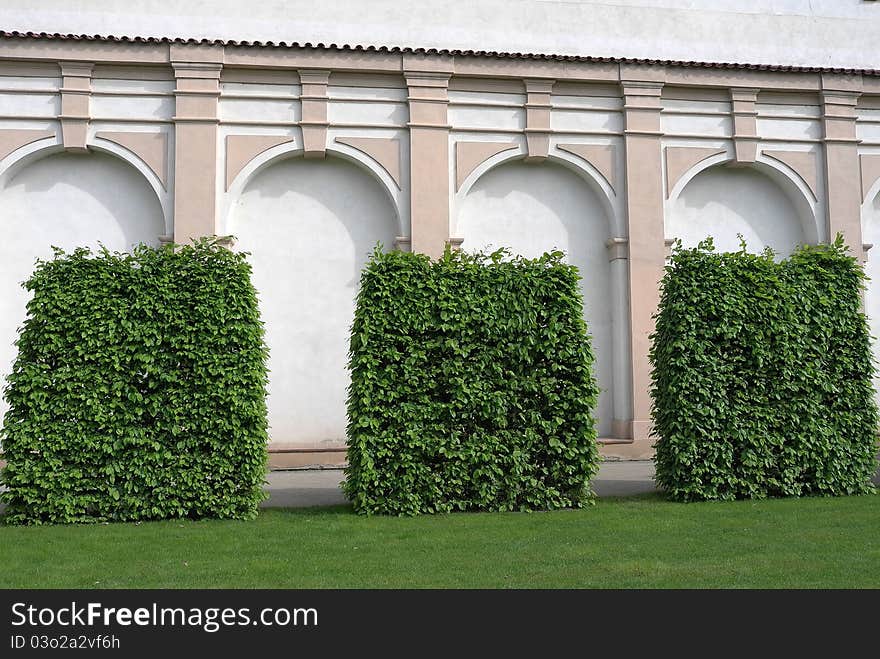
{"x":471,"y":386}
{"x":139,"y":389}
{"x":762,"y":375}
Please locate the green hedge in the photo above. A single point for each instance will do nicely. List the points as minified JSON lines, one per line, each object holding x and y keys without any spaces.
{"x":139,"y":389}
{"x":471,"y":386}
{"x":762,"y":375}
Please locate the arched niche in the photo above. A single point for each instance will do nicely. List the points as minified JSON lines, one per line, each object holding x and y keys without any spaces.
{"x":310,"y":226}
{"x":533,"y":208}
{"x":67,"y":200}
{"x":724,"y":201}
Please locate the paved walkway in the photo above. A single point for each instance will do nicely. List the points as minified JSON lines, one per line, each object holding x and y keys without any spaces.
{"x":301,"y":488}
{"x":320,"y":487}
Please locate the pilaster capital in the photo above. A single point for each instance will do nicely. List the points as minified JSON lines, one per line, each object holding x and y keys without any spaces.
{"x":434,"y":79}
{"x":203,"y":70}
{"x":196,"y":53}
{"x":76,"y":69}
{"x":636,"y":74}
{"x":842,"y":82}
{"x":427,"y":63}
{"x":618,"y":248}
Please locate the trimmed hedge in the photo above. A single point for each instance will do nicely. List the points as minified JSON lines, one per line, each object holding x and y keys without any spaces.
{"x":762,"y":375}
{"x":471,"y":386}
{"x":139,"y":389}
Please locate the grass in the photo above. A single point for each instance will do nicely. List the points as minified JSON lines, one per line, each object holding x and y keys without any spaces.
{"x":634,"y":542}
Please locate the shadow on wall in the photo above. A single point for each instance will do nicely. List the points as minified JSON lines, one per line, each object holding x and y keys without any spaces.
{"x":534,"y":208}
{"x":333,"y":189}
{"x":67,"y":200}
{"x":311,"y":226}
{"x":724,"y":201}
{"x":74,"y":196}
{"x":871,"y":235}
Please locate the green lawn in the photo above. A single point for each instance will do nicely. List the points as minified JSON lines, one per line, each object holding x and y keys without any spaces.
{"x":638,"y":542}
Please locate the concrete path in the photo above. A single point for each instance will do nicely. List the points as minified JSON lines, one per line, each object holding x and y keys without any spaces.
{"x":302,"y":488}
{"x":320,"y":487}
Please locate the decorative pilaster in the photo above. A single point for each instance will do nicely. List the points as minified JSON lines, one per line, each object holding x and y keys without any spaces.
{"x":197,"y":93}
{"x":314,"y":112}
{"x":76,"y":90}
{"x":618,"y":256}
{"x":641,"y":88}
{"x":538,"y":118}
{"x":427,"y":78}
{"x":743,"y":104}
{"x":840,"y":94}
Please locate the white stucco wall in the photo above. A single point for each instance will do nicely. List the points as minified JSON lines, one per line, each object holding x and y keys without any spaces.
{"x":307,"y":266}
{"x":871,"y":235}
{"x":68,"y":201}
{"x":532,"y":209}
{"x":310,"y":226}
{"x":723,"y":201}
{"x":839,"y":33}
